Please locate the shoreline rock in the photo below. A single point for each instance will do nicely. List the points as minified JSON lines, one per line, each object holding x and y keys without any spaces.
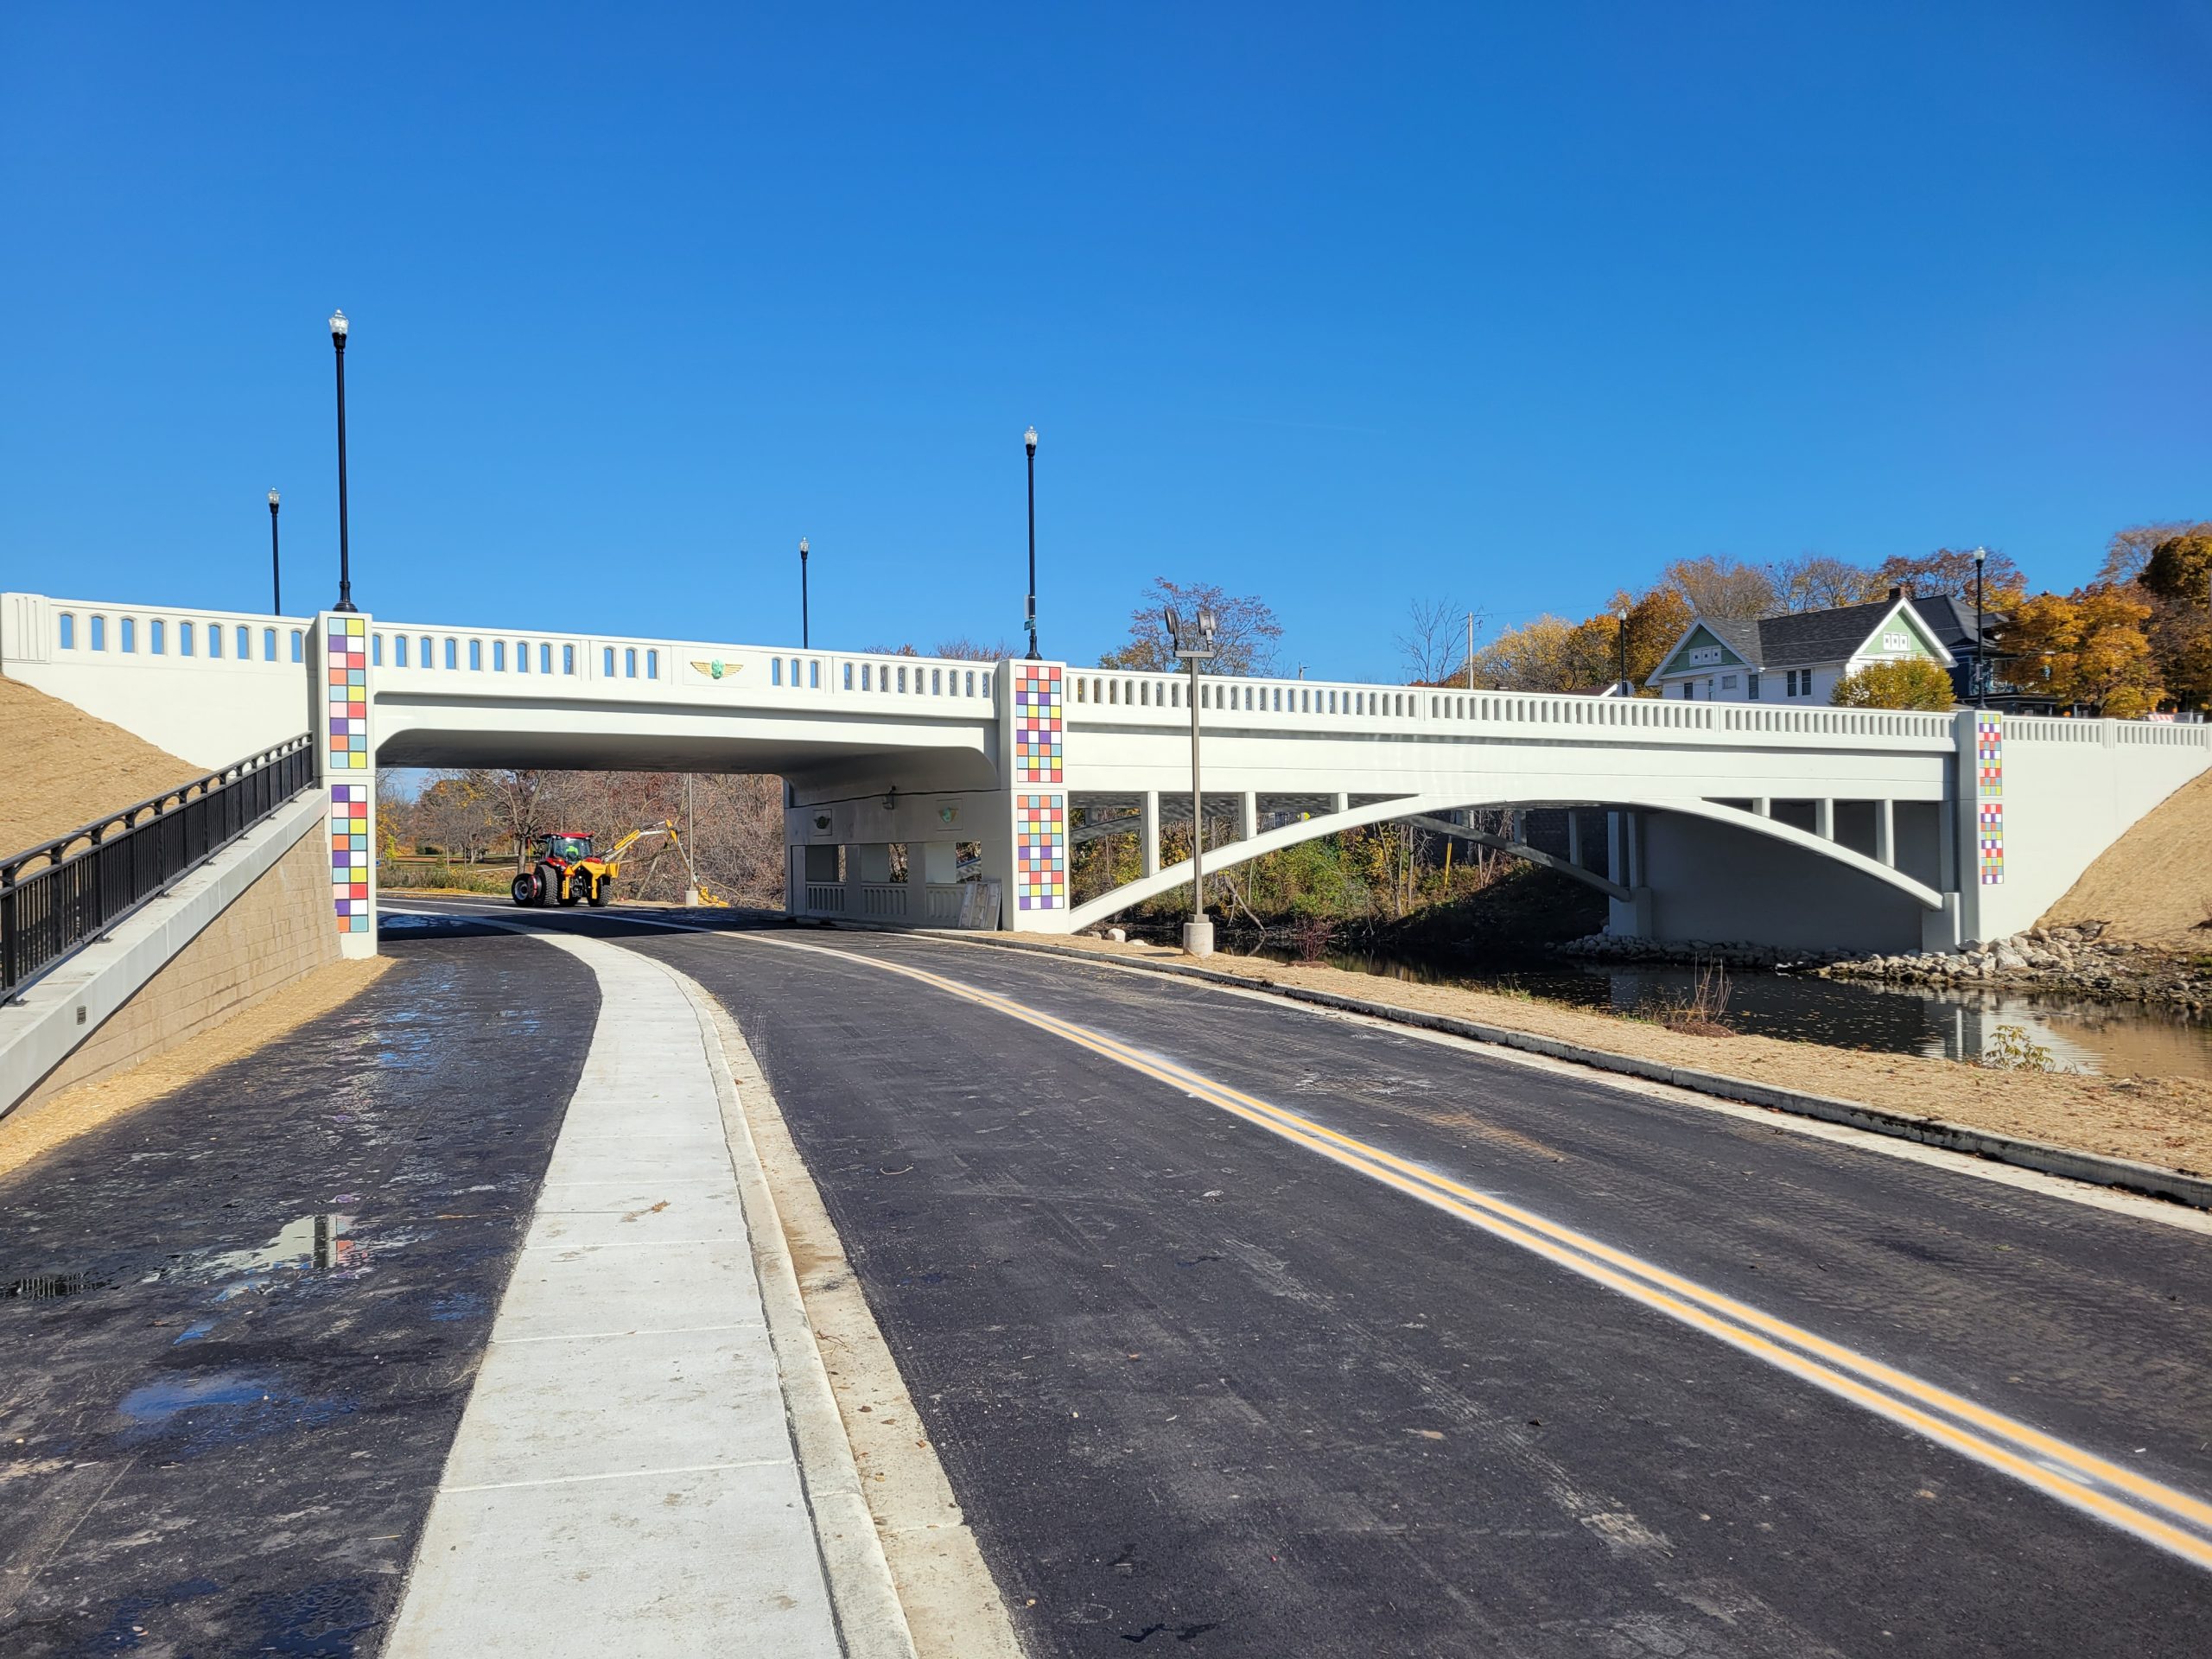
{"x":2075,"y":960}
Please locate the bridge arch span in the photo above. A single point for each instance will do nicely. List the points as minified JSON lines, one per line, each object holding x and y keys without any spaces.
{"x":1415,"y":806}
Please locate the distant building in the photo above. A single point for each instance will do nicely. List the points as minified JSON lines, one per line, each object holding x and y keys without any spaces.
{"x":1799,"y":657}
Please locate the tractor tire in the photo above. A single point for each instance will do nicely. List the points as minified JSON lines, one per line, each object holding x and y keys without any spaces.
{"x":525,"y":889}
{"x":603,"y":895}
{"x":549,"y":885}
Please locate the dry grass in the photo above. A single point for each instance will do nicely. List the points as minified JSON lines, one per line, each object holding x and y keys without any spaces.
{"x":2165,"y":1120}
{"x":63,"y":767}
{"x":2149,"y":883}
{"x":1704,"y":1011}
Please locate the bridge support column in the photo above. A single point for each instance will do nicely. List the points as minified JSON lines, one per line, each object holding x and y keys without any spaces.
{"x":1824,"y":818}
{"x":1574,"y":837}
{"x":1939,"y":929}
{"x":1886,"y":832}
{"x":1033,"y":720}
{"x":339,"y":702}
{"x":1148,"y":831}
{"x":1247,"y":816}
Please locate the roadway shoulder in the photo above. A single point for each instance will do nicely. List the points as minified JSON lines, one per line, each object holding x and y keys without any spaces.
{"x":2100,"y":1169}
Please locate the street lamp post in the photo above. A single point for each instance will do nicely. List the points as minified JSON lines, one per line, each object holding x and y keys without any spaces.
{"x":1029,"y":443}
{"x":1620,"y":620}
{"x":1194,"y":645}
{"x":276,"y":568}
{"x":806,"y":639}
{"x":1980,"y":646}
{"x":345,"y":555}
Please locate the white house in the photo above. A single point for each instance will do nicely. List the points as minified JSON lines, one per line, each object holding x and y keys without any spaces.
{"x":1797,"y":657}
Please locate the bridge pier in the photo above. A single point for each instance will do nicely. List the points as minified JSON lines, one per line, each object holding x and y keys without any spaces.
{"x":340,"y":696}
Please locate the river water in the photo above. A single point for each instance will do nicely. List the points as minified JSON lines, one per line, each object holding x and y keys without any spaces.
{"x":2082,"y":1034}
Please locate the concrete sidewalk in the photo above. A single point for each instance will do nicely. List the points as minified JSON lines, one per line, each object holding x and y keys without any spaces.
{"x":624,"y":1478}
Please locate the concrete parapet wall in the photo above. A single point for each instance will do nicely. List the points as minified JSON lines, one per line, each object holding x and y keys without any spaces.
{"x":251,"y":921}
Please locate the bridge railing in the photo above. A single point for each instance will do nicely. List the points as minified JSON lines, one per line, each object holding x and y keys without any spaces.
{"x":1103,"y":697}
{"x":65,"y":893}
{"x":409,"y":657}
{"x":34,"y":628}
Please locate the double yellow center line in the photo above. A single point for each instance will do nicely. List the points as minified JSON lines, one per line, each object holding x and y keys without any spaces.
{"x":2160,"y":1514}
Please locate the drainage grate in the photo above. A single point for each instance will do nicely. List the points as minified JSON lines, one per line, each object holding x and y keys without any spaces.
{"x":45,"y":1286}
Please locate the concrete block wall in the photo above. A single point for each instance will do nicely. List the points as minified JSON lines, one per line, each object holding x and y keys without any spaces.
{"x":273,"y":933}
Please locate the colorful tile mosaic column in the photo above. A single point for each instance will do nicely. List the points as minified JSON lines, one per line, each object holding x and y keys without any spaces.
{"x":1989,"y":797}
{"x":349,"y":772}
{"x":1040,"y":820}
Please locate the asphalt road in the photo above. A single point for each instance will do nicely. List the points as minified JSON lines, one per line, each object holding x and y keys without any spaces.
{"x":1199,"y":1383}
{"x":238,"y":1326}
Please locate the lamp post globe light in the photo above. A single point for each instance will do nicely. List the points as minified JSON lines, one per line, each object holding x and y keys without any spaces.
{"x":1029,"y":443}
{"x":276,"y":568}
{"x":805,"y":640}
{"x":344,"y":556}
{"x":1195,"y":645}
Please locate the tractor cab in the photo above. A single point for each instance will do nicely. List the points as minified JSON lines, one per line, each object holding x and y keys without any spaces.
{"x":563,"y":848}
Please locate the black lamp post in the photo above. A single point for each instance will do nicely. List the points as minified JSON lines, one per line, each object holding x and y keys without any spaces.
{"x":805,"y":640}
{"x":1029,"y":442}
{"x":345,"y":557}
{"x":1981,"y":646}
{"x":1194,"y":645}
{"x":276,"y":568}
{"x":1620,"y":619}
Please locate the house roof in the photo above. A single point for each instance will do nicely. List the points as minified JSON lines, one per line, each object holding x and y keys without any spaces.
{"x":1801,"y":639}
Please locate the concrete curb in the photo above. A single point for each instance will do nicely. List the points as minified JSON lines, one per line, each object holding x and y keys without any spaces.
{"x":871,"y":1619}
{"x":57,"y":1014}
{"x":2098,"y":1169}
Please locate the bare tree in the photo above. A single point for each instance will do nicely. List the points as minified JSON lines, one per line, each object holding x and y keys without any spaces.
{"x":1434,"y":643}
{"x":1820,"y":582}
{"x":1245,"y":639}
{"x":964,"y":649}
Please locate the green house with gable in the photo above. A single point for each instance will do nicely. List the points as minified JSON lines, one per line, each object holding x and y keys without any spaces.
{"x":1797,"y":657}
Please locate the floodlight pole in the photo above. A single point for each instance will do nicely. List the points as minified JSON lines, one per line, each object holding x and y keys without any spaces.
{"x":1195,"y":645}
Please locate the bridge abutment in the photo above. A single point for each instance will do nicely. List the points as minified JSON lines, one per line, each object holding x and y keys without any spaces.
{"x":339,"y":696}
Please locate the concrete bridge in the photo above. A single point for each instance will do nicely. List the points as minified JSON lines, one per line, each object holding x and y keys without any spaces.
{"x":1794,"y":827}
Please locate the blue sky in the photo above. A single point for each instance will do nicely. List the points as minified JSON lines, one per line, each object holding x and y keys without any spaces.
{"x":1342,"y":306}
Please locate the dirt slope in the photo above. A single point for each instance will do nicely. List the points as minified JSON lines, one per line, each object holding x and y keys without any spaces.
{"x":58,"y":766}
{"x":2154,"y":883}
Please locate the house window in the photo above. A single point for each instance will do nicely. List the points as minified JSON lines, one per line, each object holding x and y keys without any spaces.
{"x":1751,"y":687}
{"x":1895,"y":640}
{"x":1728,"y":682}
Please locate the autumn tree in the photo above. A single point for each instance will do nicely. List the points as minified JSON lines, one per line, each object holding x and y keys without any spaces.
{"x":1721,"y":587}
{"x":1244,"y":640}
{"x":1951,"y":570}
{"x":2130,"y":549}
{"x":2086,"y":648}
{"x":1910,"y":682}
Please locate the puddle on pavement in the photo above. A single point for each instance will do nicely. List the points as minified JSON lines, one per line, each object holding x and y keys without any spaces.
{"x":311,"y":1244}
{"x":157,"y":1402}
{"x":45,"y":1286}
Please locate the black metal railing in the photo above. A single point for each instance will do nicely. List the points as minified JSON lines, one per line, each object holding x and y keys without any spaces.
{"x":58,"y":896}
